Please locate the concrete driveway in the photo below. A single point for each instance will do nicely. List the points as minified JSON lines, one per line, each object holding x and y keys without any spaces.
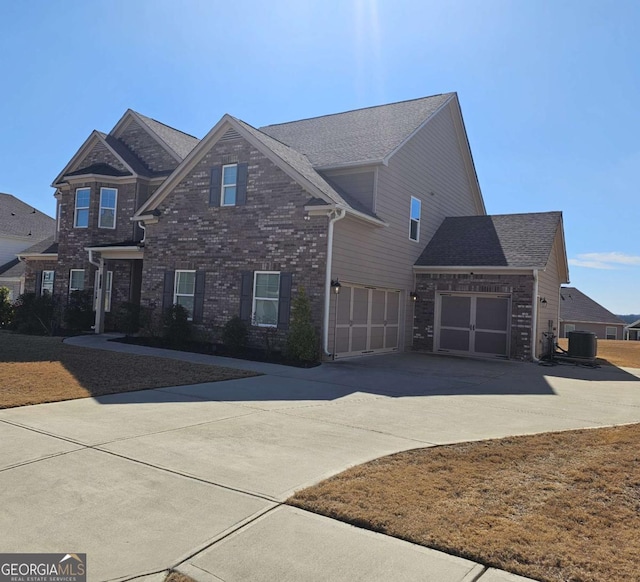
{"x":194,"y":476}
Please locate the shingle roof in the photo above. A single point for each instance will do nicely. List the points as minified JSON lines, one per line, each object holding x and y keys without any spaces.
{"x":179,"y":142}
{"x":102,"y":169}
{"x":576,"y":306}
{"x":133,"y":161}
{"x":503,"y":240}
{"x":296,"y":160}
{"x":21,"y":220}
{"x":12,"y":270}
{"x":44,"y":247}
{"x":359,"y":136}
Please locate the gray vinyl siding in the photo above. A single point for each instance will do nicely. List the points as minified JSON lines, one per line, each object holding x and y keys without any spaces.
{"x":357,"y":184}
{"x":430,"y":167}
{"x":600,"y":329}
{"x":9,"y":247}
{"x":549,"y":289}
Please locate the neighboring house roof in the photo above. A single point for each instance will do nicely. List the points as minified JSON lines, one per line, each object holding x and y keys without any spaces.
{"x":18,"y":219}
{"x":503,"y":240}
{"x":179,"y":142}
{"x":45,"y":247}
{"x":634,"y":325}
{"x":12,"y":270}
{"x":361,"y":136}
{"x":576,"y":306}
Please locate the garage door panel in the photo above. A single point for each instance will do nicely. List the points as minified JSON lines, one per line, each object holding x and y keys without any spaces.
{"x":359,"y":339}
{"x":360,"y":306}
{"x":455,"y":311}
{"x":367,"y":320}
{"x":393,"y":307}
{"x":455,"y":339}
{"x":391,"y":336}
{"x":490,"y":343}
{"x":491,"y":313}
{"x":376,"y":340}
{"x":378,"y":305}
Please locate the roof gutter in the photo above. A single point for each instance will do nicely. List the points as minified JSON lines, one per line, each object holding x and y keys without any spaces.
{"x":337,"y":214}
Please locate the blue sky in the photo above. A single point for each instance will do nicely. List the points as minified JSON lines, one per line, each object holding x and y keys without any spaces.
{"x":550,"y":92}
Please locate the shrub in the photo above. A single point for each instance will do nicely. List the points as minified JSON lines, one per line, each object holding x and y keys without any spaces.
{"x":176,"y":329}
{"x":235,"y":334}
{"x":6,"y":308}
{"x":302,"y":340}
{"x":127,"y":317}
{"x":78,"y":315}
{"x":34,"y":315}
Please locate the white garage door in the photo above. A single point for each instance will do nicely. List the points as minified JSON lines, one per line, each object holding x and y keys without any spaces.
{"x":473,"y":324}
{"x":367,"y":321}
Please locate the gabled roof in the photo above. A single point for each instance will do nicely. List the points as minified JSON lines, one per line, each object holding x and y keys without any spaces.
{"x":290,"y":161}
{"x":45,"y":247}
{"x":634,"y":325}
{"x":503,"y":240}
{"x":360,"y":136}
{"x":179,"y":142}
{"x":576,"y":306}
{"x":101,"y":169}
{"x":12,"y":270}
{"x":21,"y":220}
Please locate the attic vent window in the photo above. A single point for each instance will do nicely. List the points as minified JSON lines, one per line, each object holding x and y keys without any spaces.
{"x":230,"y":134}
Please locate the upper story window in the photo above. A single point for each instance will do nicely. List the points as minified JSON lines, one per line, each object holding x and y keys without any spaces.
{"x":266,"y":292}
{"x":46,"y":286}
{"x":76,"y":280}
{"x":414,"y":219}
{"x":229,"y":184}
{"x":83,"y":197}
{"x":184,"y":290}
{"x":108,"y":202}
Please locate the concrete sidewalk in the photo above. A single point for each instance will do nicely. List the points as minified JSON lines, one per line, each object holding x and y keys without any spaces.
{"x":195,"y":476}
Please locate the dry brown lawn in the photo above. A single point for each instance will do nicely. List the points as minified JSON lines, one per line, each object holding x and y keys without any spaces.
{"x":177,"y":577}
{"x":614,"y":352}
{"x":43,"y":369}
{"x":554,"y":507}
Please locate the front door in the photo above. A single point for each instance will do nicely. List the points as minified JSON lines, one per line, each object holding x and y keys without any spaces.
{"x":473,"y":324}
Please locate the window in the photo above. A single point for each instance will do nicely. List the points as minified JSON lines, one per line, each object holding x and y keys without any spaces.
{"x":229,"y":183}
{"x":83,"y":196}
{"x":568,"y":327}
{"x":414,"y":221}
{"x":266,"y":290}
{"x":184,"y":290}
{"x":47,"y":282}
{"x":76,"y":280}
{"x":611,"y":332}
{"x":107,"y":291}
{"x":107,"y":216}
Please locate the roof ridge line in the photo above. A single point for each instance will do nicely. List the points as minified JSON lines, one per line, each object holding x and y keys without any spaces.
{"x":165,"y":124}
{"x":356,"y":109}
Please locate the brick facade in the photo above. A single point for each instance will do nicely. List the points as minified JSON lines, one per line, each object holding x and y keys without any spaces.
{"x":268,"y":233}
{"x":138,"y":140}
{"x":31,"y":274}
{"x":520,"y":287}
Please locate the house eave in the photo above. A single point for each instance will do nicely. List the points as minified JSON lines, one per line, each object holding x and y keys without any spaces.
{"x":38,"y":256}
{"x":468,"y":269}
{"x":325,"y":210}
{"x":114,"y":253}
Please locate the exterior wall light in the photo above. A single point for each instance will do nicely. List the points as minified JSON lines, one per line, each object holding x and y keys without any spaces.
{"x":543,"y":301}
{"x":335,"y":286}
{"x":413,"y":296}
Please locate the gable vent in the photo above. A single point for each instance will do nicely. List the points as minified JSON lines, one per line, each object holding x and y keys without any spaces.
{"x":230,"y":134}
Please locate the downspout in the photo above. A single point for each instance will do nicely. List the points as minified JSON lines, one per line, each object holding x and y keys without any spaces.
{"x":534,"y":317}
{"x":337,"y":214}
{"x":98,"y":326}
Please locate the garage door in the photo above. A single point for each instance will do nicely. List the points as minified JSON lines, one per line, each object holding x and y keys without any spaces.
{"x":367,"y":321}
{"x":473,"y":324}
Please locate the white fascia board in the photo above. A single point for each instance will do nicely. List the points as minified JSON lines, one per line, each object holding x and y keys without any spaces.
{"x":346,"y":166}
{"x":78,"y":179}
{"x":133,"y":252}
